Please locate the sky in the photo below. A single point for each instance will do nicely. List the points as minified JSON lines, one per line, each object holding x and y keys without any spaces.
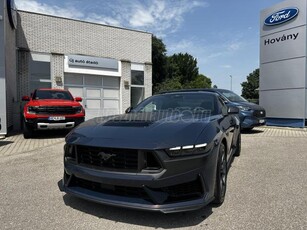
{"x":222,"y":35}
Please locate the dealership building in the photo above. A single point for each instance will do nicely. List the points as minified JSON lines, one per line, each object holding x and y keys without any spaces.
{"x":283,"y":62}
{"x":109,"y":67}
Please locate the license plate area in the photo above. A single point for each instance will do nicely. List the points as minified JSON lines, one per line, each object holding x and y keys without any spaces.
{"x":261,"y":121}
{"x":56,"y":118}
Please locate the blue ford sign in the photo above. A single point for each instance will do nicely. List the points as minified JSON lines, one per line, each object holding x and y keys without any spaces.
{"x":281,"y":16}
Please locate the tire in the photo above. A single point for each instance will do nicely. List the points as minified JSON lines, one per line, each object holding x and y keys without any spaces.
{"x":238,"y":146}
{"x":27,"y":132}
{"x":221,"y":176}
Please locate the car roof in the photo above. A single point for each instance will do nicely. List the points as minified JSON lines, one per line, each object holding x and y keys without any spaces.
{"x":202,"y":90}
{"x":52,"y":89}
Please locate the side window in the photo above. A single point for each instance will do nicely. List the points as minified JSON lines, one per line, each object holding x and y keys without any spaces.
{"x":222,"y":106}
{"x":151,"y":107}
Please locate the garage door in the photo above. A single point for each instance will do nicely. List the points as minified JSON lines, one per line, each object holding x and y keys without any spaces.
{"x":100,"y":94}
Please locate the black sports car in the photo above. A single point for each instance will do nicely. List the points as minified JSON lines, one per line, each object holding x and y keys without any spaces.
{"x":171,"y":153}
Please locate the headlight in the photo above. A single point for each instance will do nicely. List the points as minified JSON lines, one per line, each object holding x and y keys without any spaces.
{"x":78,"y":109}
{"x":32,"y":109}
{"x":244,"y":108}
{"x":187,"y":150}
{"x":69,"y":151}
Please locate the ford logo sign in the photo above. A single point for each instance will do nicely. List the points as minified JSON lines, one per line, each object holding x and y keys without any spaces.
{"x":281,"y":16}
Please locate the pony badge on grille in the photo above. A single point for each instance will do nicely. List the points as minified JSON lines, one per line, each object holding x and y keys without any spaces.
{"x":105,"y":156}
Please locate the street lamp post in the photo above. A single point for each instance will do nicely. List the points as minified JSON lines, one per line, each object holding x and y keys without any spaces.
{"x":230,"y":82}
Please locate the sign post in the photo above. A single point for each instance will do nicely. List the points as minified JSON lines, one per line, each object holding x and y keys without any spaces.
{"x":3,"y":123}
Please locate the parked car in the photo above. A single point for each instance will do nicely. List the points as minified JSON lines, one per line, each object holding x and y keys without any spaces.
{"x":51,"y":109}
{"x":170,"y":153}
{"x":251,"y":114}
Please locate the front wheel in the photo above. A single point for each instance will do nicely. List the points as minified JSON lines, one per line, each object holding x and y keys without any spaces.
{"x":238,"y":146}
{"x":27,"y":132}
{"x":221,"y":176}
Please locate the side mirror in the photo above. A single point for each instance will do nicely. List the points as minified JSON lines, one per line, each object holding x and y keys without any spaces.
{"x":233,"y":110}
{"x":128,"y":110}
{"x":25,"y":98}
{"x":78,"y":99}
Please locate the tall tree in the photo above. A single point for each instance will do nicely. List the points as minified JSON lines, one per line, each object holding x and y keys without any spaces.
{"x":186,"y":67}
{"x":201,"y":81}
{"x":159,"y":61}
{"x":175,"y":72}
{"x":251,"y":86}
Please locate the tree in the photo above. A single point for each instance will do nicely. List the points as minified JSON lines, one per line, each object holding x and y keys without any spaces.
{"x":201,"y":81}
{"x":168,"y":84}
{"x":185,"y":66}
{"x":250,"y":87}
{"x":159,"y":61}
{"x":175,"y":72}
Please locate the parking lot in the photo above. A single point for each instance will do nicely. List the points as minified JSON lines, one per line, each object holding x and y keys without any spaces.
{"x":267,"y":189}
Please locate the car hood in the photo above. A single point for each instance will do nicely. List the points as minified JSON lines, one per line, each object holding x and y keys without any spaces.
{"x":248,"y":104}
{"x":53,"y":102}
{"x":140,"y":130}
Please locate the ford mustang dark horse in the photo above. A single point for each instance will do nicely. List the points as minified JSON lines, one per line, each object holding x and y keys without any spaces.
{"x":171,"y":153}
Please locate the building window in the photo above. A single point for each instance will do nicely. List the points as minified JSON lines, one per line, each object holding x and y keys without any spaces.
{"x":137,"y":87}
{"x":137,"y":77}
{"x":39,"y":71}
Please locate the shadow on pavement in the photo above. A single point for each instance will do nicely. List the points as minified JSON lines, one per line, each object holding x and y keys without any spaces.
{"x":253,"y":131}
{"x":140,"y":218}
{"x":49,"y":134}
{"x":2,"y":143}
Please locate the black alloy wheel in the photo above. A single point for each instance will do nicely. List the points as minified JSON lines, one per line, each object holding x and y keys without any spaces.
{"x":238,"y":146}
{"x":221,"y":176}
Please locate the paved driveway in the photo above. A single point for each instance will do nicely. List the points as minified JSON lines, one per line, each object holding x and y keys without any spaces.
{"x":267,"y":189}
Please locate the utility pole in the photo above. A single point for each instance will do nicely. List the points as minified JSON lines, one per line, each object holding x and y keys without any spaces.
{"x":230,"y":82}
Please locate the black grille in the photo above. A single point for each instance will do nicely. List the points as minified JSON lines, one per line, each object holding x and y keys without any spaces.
{"x":186,"y":191}
{"x":259,"y":113}
{"x":108,"y":158}
{"x":114,"y":159}
{"x":56,"y":110}
{"x":109,"y":189}
{"x":177,"y":193}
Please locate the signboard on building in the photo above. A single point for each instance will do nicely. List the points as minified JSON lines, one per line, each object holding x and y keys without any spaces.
{"x":283,"y":61}
{"x":94,"y":62}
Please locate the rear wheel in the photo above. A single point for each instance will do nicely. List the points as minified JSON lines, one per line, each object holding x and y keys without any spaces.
{"x":221,"y":176}
{"x":27,"y":132}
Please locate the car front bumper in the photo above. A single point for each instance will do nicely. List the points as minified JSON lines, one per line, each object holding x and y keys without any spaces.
{"x":45,"y":124}
{"x":251,"y":122}
{"x":182,"y":185}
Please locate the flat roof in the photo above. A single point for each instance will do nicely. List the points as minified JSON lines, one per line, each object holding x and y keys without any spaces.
{"x":79,"y":20}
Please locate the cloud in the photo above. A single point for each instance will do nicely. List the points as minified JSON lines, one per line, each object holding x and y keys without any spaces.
{"x":226,"y":66}
{"x":234,"y":46}
{"x":35,"y":6}
{"x":182,"y":46}
{"x":93,"y":17}
{"x":157,"y":16}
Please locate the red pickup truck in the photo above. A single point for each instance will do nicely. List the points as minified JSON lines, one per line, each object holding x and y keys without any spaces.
{"x":51,"y":109}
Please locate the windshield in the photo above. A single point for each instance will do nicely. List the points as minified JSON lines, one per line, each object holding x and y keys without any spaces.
{"x":52,"y":94}
{"x":231,"y":96}
{"x":192,"y":102}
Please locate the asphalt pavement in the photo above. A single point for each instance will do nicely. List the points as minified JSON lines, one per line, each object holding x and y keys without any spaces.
{"x":267,"y":189}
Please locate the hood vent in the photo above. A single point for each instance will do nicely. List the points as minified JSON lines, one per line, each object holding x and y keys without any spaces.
{"x":127,"y":123}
